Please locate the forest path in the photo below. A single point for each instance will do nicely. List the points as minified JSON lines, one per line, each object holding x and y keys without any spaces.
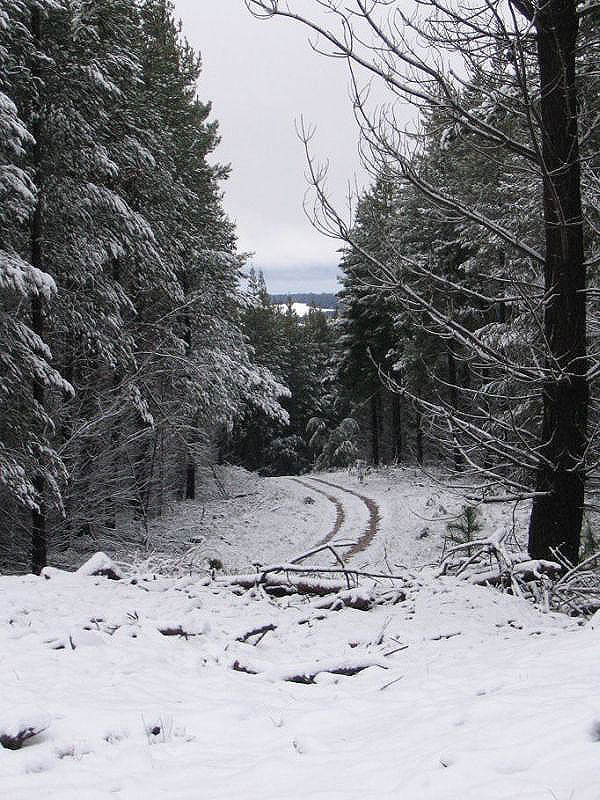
{"x":374,"y":519}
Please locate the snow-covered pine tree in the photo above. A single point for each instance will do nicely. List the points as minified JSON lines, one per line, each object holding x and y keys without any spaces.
{"x":27,"y":459}
{"x":249,"y":441}
{"x":367,"y":324}
{"x":209,"y":366}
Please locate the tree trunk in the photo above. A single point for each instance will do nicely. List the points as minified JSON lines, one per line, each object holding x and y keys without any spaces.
{"x":453,"y":386}
{"x":419,"y":437}
{"x":38,"y":517}
{"x":190,"y":467}
{"x":375,"y":429}
{"x":190,"y":479}
{"x":39,"y":545}
{"x":116,"y":432}
{"x":556,"y":518}
{"x":397,"y":427}
{"x":66,"y":429}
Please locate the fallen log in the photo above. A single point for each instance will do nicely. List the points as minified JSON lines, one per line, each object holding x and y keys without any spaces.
{"x":175,"y":631}
{"x":306,"y":673}
{"x":285,"y":579}
{"x":281,"y":585}
{"x":350,"y":598}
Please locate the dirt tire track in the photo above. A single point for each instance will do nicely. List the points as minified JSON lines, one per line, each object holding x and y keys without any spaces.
{"x":339,"y":508}
{"x":374,"y":517}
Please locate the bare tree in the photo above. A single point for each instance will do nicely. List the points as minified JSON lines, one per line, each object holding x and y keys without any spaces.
{"x":519,"y":58}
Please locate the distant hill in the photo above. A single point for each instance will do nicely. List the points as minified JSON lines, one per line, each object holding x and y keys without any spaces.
{"x":322,"y":300}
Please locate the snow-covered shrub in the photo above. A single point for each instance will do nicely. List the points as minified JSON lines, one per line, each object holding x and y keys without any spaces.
{"x":101,"y":564}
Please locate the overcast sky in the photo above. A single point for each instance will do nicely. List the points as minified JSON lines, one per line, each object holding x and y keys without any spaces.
{"x":261,"y":76}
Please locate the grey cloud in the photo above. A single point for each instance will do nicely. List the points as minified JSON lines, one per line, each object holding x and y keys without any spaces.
{"x":260,"y":77}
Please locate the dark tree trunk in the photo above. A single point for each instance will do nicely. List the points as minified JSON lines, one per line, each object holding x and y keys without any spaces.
{"x":397,"y":427}
{"x":116,"y":432}
{"x":501,"y":311}
{"x":85,"y":489}
{"x":190,"y":479}
{"x":39,"y":544}
{"x":453,"y":386}
{"x":66,"y":428}
{"x":556,"y":518}
{"x":190,"y":467}
{"x":38,"y":518}
{"x":375,"y":428}
{"x":419,"y":437}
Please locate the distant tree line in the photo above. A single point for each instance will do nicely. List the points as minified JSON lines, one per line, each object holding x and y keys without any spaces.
{"x":323,"y":300}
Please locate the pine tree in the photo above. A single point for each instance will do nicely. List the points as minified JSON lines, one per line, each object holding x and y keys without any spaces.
{"x":113,"y":201}
{"x":26,"y":457}
{"x":368,"y":321}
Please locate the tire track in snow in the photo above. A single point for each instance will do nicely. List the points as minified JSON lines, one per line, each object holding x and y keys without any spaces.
{"x":374,"y":517}
{"x":340,"y":515}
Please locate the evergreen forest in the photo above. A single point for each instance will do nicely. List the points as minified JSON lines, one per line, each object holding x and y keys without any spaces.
{"x":139,"y":347}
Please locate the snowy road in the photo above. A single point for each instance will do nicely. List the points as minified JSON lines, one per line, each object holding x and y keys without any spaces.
{"x":340,"y":514}
{"x":346,"y":511}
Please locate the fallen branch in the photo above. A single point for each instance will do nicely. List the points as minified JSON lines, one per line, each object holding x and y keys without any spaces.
{"x":313,"y":618}
{"x":260,"y":631}
{"x":578,"y":590}
{"x":396,"y":650}
{"x":391,"y":683}
{"x":321,"y":548}
{"x":16,"y":729}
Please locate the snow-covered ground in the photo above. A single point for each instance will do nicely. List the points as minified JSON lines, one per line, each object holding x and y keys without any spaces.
{"x":471,"y":694}
{"x":303,"y":309}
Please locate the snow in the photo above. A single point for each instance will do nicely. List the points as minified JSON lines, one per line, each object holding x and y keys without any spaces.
{"x":100,"y":564}
{"x":483,"y":697}
{"x":303,"y":309}
{"x":19,"y":276}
